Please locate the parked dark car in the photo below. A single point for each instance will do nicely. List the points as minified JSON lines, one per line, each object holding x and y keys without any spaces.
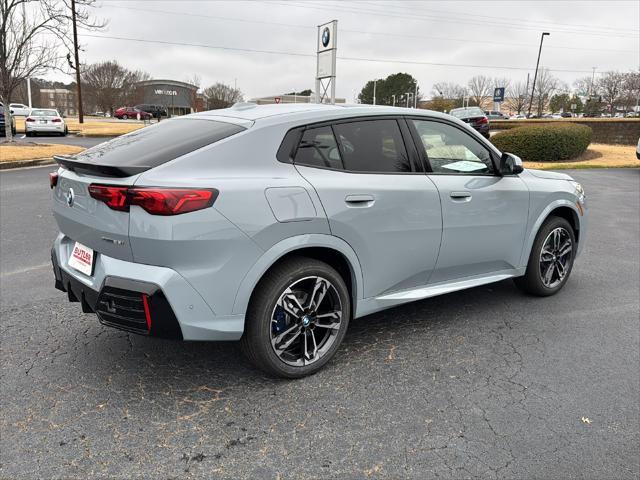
{"x":156,"y":110}
{"x":475,"y":117}
{"x":2,"y":122}
{"x":125,"y":113}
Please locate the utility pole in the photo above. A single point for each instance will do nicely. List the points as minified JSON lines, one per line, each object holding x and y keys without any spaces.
{"x":535,"y":75}
{"x":593,"y":77}
{"x":374,"y":91}
{"x":77,"y":58}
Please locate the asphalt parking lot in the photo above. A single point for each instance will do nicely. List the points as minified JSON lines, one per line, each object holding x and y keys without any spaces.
{"x":485,"y":383}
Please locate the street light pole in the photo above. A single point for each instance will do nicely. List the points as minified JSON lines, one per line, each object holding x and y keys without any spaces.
{"x":415,"y":96}
{"x":408,"y":93}
{"x":394,"y":99}
{"x":535,"y":75}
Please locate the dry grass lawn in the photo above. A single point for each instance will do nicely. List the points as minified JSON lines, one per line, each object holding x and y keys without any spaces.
{"x":30,"y":151}
{"x":598,"y":155}
{"x":93,"y":127}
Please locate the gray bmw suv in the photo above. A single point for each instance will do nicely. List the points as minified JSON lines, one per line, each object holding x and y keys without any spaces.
{"x":275,"y":225}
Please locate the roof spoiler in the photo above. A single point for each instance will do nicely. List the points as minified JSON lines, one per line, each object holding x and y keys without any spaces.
{"x":104,"y":170}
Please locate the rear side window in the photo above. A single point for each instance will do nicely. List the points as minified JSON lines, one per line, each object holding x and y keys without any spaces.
{"x":372,"y":146}
{"x":318,"y":148}
{"x":154,"y":145}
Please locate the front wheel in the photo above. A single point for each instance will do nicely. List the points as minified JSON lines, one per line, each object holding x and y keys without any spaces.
{"x":297,"y":318}
{"x":551,"y":258}
{"x":125,"y":117}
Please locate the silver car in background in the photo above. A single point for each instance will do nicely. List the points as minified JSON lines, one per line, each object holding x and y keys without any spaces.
{"x":276,"y":225}
{"x":44,"y":120}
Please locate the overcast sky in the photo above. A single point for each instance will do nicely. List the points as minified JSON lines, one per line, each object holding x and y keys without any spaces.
{"x":482,"y":35}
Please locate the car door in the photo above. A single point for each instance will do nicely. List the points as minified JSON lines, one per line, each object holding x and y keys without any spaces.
{"x":375,"y":198}
{"x":484,"y":213}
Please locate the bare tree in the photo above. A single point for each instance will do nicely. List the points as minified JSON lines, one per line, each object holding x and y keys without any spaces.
{"x":26,"y":46}
{"x":631,"y":90}
{"x":585,"y":86}
{"x":546,"y":86}
{"x":194,"y":80}
{"x":610,"y":85}
{"x":220,"y":95}
{"x":480,"y":90}
{"x":109,"y":84}
{"x":516,"y":100}
{"x":448,"y":90}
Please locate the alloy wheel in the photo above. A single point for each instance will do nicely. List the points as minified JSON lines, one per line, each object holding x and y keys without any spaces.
{"x":555,"y":257}
{"x":305,"y":321}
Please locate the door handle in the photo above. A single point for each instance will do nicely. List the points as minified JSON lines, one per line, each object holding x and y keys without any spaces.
{"x":460,"y":196}
{"x":360,"y":200}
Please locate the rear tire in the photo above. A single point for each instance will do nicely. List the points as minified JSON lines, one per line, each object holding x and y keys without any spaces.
{"x":322,"y":320}
{"x":125,"y":117}
{"x":551,"y":259}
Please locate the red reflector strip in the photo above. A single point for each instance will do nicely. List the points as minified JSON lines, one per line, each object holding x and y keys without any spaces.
{"x":147,"y":313}
{"x":53,"y":179}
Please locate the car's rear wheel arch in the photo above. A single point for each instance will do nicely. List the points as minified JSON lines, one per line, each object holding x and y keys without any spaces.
{"x":331,"y":257}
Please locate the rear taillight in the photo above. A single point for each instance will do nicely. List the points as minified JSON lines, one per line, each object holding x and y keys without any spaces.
{"x":114,"y":197}
{"x":483,"y":120}
{"x":53,"y":179}
{"x":56,"y":120}
{"x":29,"y":119}
{"x":156,"y":201}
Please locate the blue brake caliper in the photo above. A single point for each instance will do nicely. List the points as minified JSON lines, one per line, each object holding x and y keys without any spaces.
{"x":280,"y":320}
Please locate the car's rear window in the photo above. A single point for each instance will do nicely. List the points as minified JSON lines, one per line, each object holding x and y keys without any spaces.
{"x":44,"y":113}
{"x":467,"y":112}
{"x":156,"y":144}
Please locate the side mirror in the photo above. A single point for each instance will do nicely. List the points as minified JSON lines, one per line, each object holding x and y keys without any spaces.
{"x":511,"y":164}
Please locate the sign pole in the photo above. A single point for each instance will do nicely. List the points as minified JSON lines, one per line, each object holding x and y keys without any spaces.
{"x":327,"y":45}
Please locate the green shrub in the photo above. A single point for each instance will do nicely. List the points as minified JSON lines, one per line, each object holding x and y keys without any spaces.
{"x":544,"y":143}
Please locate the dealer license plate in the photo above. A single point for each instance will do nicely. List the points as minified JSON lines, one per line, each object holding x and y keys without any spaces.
{"x":81,"y":259}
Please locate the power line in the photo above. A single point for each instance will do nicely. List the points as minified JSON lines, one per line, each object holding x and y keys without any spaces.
{"x":362,"y":32}
{"x":309,"y":55}
{"x":360,"y":11}
{"x":493,"y":17}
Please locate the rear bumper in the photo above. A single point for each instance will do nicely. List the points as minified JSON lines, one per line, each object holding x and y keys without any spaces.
{"x":116,"y":293}
{"x":49,"y":127}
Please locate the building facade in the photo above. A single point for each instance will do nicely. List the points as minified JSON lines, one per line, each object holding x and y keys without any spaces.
{"x":61,"y":99}
{"x":179,"y":98}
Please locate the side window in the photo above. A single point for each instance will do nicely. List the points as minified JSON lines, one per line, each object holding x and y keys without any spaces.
{"x":451,"y":150}
{"x":318,"y":148}
{"x":372,"y":146}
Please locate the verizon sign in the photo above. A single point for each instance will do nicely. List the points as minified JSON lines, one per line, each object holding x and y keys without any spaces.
{"x":170,"y":93}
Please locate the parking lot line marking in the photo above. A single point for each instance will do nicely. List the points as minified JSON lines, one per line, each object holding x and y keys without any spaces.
{"x":25,"y":270}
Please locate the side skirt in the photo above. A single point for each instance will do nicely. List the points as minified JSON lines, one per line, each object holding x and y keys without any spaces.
{"x":375,"y":304}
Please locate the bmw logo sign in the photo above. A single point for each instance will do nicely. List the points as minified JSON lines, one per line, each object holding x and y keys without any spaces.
{"x":326,"y":36}
{"x":70,"y":197}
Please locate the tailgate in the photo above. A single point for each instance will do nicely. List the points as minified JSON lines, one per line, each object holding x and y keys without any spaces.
{"x":88,"y":221}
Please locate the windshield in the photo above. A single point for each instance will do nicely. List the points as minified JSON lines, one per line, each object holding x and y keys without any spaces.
{"x":44,"y":113}
{"x":467,"y":112}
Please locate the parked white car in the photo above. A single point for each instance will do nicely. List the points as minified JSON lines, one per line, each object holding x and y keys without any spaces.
{"x":19,"y":109}
{"x":44,"y":120}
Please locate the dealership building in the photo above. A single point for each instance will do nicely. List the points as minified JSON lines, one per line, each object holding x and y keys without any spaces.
{"x":179,"y":98}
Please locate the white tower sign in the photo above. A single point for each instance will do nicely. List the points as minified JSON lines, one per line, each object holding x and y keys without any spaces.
{"x":326,"y":62}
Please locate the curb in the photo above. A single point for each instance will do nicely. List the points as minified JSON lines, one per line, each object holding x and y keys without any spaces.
{"x":26,"y":163}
